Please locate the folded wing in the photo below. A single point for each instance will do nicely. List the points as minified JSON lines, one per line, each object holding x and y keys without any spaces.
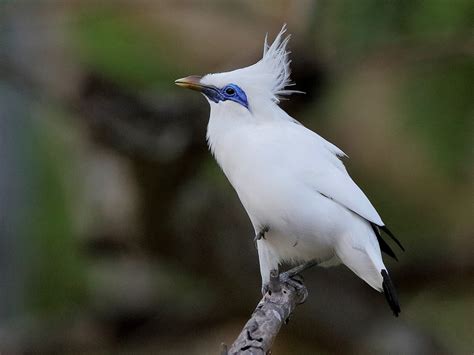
{"x":325,"y":174}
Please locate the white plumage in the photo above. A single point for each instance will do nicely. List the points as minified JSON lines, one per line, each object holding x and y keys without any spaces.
{"x":289,"y":179}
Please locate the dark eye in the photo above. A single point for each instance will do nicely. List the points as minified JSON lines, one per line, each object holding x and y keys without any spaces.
{"x":230,"y":91}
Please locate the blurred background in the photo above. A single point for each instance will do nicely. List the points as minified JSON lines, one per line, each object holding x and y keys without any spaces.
{"x":118,"y":231}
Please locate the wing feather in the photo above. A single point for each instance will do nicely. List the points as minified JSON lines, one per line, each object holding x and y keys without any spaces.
{"x":328,"y":176}
{"x":316,"y":161}
{"x":338,"y":186}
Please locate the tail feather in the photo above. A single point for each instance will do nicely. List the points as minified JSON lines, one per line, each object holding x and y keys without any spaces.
{"x":390,"y":234}
{"x":383,"y":244}
{"x":390,"y":293}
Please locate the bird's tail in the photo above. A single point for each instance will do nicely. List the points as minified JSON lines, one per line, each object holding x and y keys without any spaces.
{"x":390,"y":293}
{"x":365,"y":260}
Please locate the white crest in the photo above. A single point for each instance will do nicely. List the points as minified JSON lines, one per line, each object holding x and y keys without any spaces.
{"x":275,"y":64}
{"x":269,"y":77}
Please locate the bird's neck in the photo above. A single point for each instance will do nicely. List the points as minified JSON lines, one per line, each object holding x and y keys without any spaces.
{"x":224,"y":123}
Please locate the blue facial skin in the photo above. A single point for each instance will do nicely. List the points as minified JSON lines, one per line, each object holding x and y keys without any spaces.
{"x":229,"y":92}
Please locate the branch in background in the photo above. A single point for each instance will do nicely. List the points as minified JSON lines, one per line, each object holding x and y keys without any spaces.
{"x":276,"y":306}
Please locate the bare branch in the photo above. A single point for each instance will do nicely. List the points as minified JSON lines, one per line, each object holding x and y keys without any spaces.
{"x":275,"y":307}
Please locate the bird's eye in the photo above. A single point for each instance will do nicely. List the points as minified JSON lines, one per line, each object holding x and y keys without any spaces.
{"x":230,"y":91}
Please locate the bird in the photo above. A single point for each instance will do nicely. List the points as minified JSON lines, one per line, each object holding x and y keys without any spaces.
{"x":300,"y":198}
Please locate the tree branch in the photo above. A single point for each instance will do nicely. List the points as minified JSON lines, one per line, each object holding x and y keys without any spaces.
{"x":275,"y":307}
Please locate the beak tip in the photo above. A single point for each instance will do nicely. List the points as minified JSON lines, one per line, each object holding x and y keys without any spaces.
{"x":190,"y":82}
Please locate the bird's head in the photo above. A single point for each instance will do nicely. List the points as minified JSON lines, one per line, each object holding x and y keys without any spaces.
{"x":245,"y":89}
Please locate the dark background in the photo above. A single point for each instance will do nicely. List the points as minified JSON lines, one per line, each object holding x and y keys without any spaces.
{"x":118,"y":231}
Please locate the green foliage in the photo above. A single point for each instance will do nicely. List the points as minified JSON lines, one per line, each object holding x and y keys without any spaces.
{"x":55,"y":271}
{"x":445,"y":313}
{"x":118,"y":46}
{"x":429,"y":18}
{"x":358,"y":26}
{"x":438,"y":107}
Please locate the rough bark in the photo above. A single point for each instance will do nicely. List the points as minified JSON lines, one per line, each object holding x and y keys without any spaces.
{"x":274,"y":309}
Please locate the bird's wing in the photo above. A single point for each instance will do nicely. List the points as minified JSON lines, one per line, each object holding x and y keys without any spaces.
{"x":315,"y":162}
{"x":325,"y":173}
{"x":339,"y":187}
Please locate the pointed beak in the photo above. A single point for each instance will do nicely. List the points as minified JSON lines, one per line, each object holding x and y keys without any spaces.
{"x":192,"y":82}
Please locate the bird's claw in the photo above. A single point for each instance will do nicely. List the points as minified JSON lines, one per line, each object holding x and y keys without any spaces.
{"x":296,"y":282}
{"x":293,"y":281}
{"x":292,"y":278}
{"x":261,"y":234}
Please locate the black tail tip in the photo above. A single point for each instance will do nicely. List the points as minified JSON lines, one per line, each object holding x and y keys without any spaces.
{"x":390,"y":293}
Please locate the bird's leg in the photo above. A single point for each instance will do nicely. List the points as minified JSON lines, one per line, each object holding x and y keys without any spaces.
{"x":291,"y":277}
{"x":297,"y":270}
{"x":273,"y":285}
{"x":261,"y":234}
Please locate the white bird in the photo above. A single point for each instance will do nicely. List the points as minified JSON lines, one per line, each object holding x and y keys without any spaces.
{"x":302,"y":202}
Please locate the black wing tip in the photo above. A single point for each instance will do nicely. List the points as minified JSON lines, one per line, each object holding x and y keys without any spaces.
{"x":383,"y":244}
{"x":386,"y":248}
{"x":390,"y":234}
{"x":390,"y":293}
